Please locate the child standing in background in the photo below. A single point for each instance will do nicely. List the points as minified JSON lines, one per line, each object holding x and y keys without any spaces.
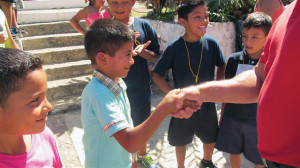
{"x":238,"y":128}
{"x":95,"y":10}
{"x":192,"y":58}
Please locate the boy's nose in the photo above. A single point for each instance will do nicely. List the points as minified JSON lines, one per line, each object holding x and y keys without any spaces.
{"x":47,"y":105}
{"x":131,"y":60}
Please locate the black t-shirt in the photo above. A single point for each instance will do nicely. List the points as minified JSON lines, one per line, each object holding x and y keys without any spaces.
{"x":175,"y":57}
{"x":138,"y":78}
{"x":238,"y":62}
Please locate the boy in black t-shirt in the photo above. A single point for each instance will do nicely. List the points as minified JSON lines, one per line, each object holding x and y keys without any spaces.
{"x":192,"y":58}
{"x":238,"y":131}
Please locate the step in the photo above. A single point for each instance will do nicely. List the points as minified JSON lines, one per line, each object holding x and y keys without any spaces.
{"x":47,"y":15}
{"x":37,"y":29}
{"x":53,"y":4}
{"x":68,"y":69}
{"x":61,"y":89}
{"x":61,"y":54}
{"x":52,"y":41}
{"x":66,"y":104}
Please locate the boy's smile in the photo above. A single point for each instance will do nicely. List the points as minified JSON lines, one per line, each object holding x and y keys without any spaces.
{"x":196,"y":23}
{"x":26,"y":110}
{"x":120,"y":9}
{"x":254,"y":40}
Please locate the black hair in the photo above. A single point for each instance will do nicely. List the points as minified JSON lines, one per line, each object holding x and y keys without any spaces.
{"x":188,"y":6}
{"x":258,"y":20}
{"x":107,"y":36}
{"x":14,"y":67}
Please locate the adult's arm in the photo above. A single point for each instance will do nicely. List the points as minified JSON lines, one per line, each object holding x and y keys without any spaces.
{"x":244,"y":88}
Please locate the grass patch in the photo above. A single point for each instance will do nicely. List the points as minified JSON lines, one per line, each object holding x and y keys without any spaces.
{"x":166,"y":15}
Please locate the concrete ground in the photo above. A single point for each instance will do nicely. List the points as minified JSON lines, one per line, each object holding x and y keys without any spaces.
{"x":68,"y":130}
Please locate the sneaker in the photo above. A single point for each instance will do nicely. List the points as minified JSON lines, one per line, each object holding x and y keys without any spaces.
{"x":206,"y":164}
{"x":12,"y":33}
{"x":17,"y":32}
{"x":147,"y":162}
{"x":22,"y":30}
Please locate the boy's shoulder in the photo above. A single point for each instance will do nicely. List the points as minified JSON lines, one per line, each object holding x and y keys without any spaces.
{"x":236,"y":55}
{"x":210,"y":39}
{"x":141,"y":21}
{"x":94,"y":88}
{"x":177,"y":42}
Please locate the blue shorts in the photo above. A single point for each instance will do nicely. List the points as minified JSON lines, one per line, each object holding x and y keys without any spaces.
{"x":237,"y":137}
{"x":203,"y":124}
{"x":141,"y":114}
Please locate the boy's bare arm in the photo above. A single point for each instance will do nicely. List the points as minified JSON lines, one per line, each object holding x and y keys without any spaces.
{"x":161,"y":82}
{"x":132,"y":139}
{"x":220,"y":74}
{"x":244,"y":88}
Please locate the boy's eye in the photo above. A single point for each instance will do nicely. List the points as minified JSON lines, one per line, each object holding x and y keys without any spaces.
{"x":35,"y":100}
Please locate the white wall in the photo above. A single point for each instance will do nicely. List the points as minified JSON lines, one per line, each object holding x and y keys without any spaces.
{"x":224,"y":33}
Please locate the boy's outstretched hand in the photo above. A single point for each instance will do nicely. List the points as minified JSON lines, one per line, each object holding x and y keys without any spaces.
{"x":140,"y":48}
{"x":180,"y":104}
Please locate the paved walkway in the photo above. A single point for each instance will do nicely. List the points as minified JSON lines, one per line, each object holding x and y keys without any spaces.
{"x":68,"y":130}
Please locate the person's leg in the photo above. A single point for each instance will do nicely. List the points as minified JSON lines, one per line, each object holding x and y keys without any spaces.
{"x":207,"y":131}
{"x":235,"y":160}
{"x":142,"y":151}
{"x":260,"y":166}
{"x":14,"y":23}
{"x":7,"y":10}
{"x":180,"y":155}
{"x":181,"y":133}
{"x":208,"y":150}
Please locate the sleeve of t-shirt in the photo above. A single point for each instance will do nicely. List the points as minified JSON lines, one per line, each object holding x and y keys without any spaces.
{"x":165,"y":61}
{"x":152,"y":36}
{"x":220,"y":61}
{"x":110,"y":114}
{"x":231,"y":67}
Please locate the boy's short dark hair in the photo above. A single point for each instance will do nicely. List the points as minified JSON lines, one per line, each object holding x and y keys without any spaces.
{"x":14,"y":67}
{"x":258,"y":20}
{"x":187,"y":7}
{"x":107,"y":36}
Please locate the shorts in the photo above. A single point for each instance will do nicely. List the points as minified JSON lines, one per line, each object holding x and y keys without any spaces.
{"x":203,"y":123}
{"x":141,"y":114}
{"x":237,"y":137}
{"x":11,"y":1}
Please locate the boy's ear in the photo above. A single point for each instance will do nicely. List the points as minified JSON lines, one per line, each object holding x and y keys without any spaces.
{"x":101,"y":58}
{"x":182,"y":21}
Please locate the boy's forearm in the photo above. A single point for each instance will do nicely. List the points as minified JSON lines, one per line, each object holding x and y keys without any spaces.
{"x":220,"y":74}
{"x":133,"y":139}
{"x":150,"y":56}
{"x":161,"y":82}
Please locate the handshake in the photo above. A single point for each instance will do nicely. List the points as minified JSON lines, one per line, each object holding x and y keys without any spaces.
{"x":181,"y":103}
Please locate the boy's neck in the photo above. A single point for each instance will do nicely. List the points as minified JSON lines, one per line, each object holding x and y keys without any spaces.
{"x":127,"y":21}
{"x":255,"y":56}
{"x":13,"y":144}
{"x":110,"y":76}
{"x":191,"y":38}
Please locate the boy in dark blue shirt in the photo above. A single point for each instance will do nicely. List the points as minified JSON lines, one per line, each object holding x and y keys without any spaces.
{"x":238,"y":131}
{"x":192,"y":58}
